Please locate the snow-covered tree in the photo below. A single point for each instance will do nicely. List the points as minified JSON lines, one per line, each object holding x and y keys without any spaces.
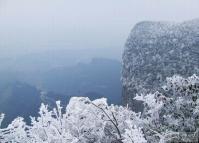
{"x":83,"y":121}
{"x":170,"y":116}
{"x":15,"y":132}
{"x":173,"y":115}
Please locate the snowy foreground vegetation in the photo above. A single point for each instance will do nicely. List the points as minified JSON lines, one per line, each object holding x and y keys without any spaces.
{"x":171,"y":115}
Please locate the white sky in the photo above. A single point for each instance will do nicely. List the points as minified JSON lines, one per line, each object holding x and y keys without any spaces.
{"x":32,"y":25}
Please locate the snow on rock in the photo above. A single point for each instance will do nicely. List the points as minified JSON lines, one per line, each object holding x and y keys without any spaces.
{"x":156,"y":50}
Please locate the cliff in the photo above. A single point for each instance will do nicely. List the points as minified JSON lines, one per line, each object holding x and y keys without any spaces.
{"x":154,"y":51}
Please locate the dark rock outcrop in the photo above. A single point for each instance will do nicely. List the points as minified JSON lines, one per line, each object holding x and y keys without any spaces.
{"x":156,"y":50}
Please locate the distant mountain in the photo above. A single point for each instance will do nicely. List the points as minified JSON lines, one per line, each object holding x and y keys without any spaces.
{"x":100,"y":77}
{"x":22,"y":99}
{"x":21,"y":94}
{"x":47,"y":58}
{"x":18,"y":99}
{"x":156,"y":50}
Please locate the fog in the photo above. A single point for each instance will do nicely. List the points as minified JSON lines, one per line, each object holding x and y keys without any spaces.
{"x":52,"y":50}
{"x":35,"y":26}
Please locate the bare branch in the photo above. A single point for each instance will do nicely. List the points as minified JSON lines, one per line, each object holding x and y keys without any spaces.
{"x":111,"y":120}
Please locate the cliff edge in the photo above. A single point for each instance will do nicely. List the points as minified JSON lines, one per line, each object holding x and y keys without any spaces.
{"x":154,"y":51}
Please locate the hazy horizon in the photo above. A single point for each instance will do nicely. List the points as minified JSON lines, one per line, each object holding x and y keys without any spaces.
{"x":37,"y":26}
{"x":74,"y":71}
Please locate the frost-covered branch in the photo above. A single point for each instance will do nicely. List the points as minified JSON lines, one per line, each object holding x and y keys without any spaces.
{"x":80,"y":122}
{"x":174,"y":113}
{"x":171,"y":116}
{"x":113,"y":121}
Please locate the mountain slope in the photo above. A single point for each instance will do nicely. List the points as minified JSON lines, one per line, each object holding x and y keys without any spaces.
{"x":100,"y":77}
{"x":155,"y":50}
{"x":19,"y":99}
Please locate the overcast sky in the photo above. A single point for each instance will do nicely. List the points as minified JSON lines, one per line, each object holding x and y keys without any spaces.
{"x":32,"y":25}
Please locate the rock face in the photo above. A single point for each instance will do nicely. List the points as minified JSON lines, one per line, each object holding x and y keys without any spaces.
{"x":156,"y":50}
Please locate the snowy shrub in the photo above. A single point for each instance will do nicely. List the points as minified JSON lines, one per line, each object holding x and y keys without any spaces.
{"x":83,"y":121}
{"x":174,"y":115}
{"x":171,"y":116}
